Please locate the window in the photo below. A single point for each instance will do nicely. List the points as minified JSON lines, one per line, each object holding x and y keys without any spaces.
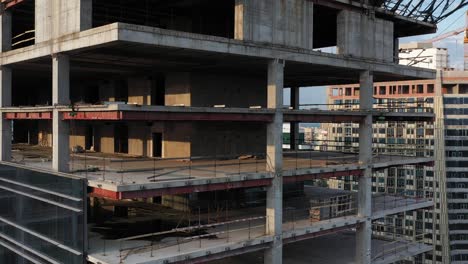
{"x":430,"y":88}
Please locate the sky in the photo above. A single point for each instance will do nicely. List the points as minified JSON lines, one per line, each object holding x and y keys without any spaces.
{"x":454,"y":44}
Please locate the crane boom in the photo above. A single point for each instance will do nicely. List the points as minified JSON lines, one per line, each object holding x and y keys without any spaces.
{"x":446,"y":35}
{"x":465,"y":44}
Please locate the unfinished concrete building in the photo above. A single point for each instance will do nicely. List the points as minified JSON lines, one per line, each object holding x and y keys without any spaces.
{"x":151,"y":131}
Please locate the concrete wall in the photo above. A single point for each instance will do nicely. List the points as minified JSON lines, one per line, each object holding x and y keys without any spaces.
{"x":139,"y":139}
{"x":285,"y":22}
{"x":178,"y":89}
{"x":176,"y":139}
{"x":183,"y":139}
{"x":207,"y":90}
{"x":182,"y":202}
{"x":360,"y":35}
{"x":177,"y":202}
{"x":139,"y":91}
{"x":210,"y":139}
{"x":230,"y":90}
{"x":107,"y":91}
{"x":45,"y":133}
{"x":69,"y":16}
{"x":105,"y":136}
{"x":78,"y":135}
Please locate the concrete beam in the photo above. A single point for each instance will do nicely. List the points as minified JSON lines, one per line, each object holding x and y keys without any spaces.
{"x":5,"y":124}
{"x":60,"y":128}
{"x":364,"y":230}
{"x":60,"y":80}
{"x":274,"y":206}
{"x":119,"y":33}
{"x":166,"y":113}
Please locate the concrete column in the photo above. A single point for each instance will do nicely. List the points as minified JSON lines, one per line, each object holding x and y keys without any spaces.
{"x":5,"y":125}
{"x":56,"y":18}
{"x":60,"y":128}
{"x":5,"y":82}
{"x":5,"y":29}
{"x":396,"y":48}
{"x":274,"y":206}
{"x":364,"y":230}
{"x":294,"y":126}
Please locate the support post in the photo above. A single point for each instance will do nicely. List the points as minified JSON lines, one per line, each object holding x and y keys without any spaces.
{"x":274,"y":204}
{"x":5,"y":100}
{"x":294,"y":126}
{"x":60,"y":128}
{"x":396,"y":48}
{"x":5,"y":82}
{"x":6,"y":30}
{"x":364,"y":230}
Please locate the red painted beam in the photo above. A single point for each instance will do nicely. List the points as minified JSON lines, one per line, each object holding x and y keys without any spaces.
{"x":11,"y":3}
{"x":105,"y":193}
{"x":165,"y":116}
{"x":28,"y":116}
{"x":195,"y":116}
{"x":101,"y":115}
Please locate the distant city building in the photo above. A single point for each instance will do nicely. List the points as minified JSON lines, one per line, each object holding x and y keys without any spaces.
{"x":446,"y":181}
{"x":424,"y":55}
{"x":313,"y":138}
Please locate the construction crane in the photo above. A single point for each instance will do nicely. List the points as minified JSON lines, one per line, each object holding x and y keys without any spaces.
{"x":465,"y":44}
{"x":420,"y":58}
{"x":446,"y":35}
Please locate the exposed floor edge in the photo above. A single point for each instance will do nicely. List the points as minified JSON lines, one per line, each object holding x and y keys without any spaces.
{"x":403,"y":253}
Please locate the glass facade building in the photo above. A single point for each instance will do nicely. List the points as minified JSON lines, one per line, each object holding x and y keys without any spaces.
{"x":42,"y":217}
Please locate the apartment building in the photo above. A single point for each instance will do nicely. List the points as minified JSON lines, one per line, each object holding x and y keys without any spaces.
{"x":444,"y":181}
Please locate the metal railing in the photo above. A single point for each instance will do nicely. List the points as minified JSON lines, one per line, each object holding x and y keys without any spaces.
{"x":389,"y":107}
{"x":24,"y":38}
{"x":125,"y":169}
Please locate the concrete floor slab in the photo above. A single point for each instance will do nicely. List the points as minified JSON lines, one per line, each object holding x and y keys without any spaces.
{"x":123,"y":173}
{"x":242,"y":234}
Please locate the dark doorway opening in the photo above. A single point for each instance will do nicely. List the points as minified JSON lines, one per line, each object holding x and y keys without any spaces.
{"x":158,"y":90}
{"x":91,"y":94}
{"x":25,"y":131}
{"x":121,"y":138}
{"x":89,"y":138}
{"x":157,"y":145}
{"x":121,"y":91}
